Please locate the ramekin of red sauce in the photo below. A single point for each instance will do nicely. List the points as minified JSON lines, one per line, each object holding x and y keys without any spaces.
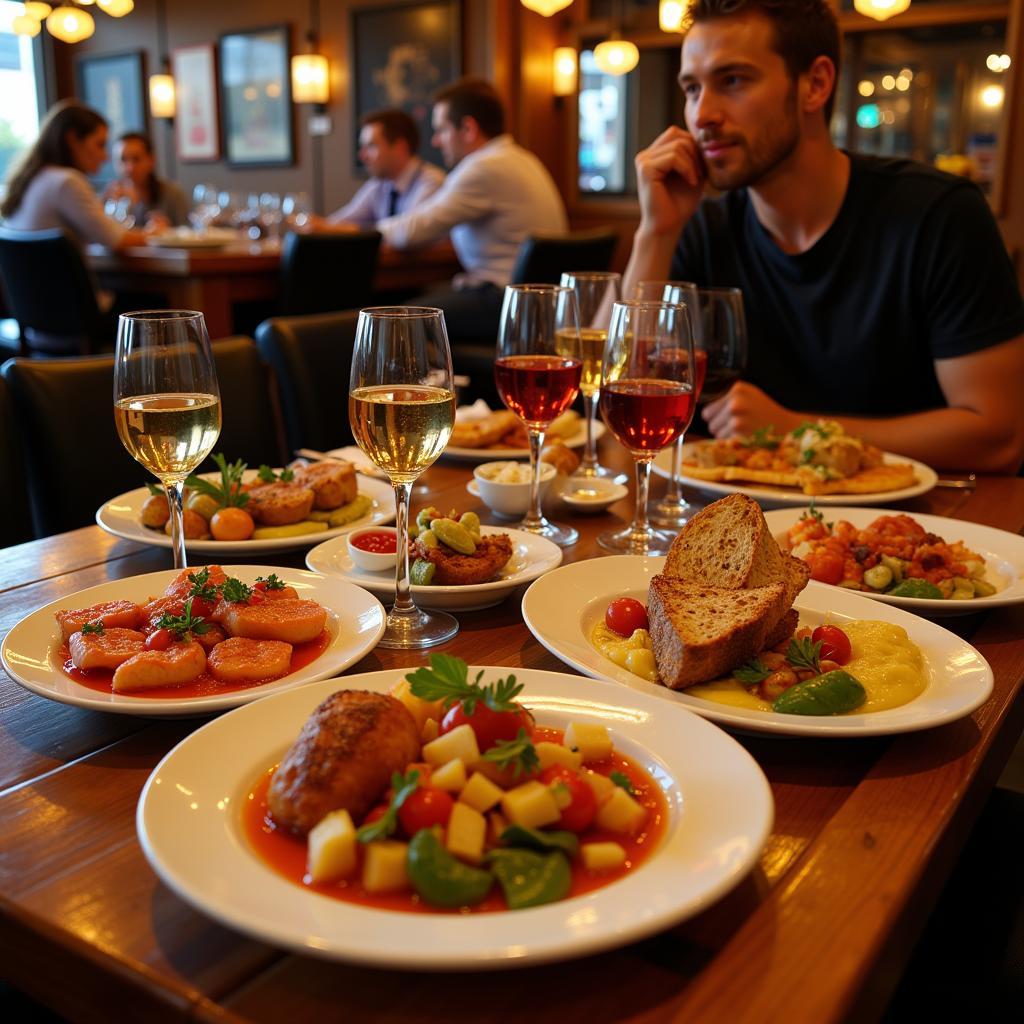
{"x":374,"y":548}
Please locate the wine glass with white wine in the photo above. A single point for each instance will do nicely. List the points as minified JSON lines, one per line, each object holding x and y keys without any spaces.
{"x":401,"y":406}
{"x":166,"y":400}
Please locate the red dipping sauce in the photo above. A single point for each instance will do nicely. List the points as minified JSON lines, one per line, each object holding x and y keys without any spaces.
{"x":378,"y":542}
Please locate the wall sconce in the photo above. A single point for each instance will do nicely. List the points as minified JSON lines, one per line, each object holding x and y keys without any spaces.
{"x":616,"y":56}
{"x":563,"y":71}
{"x":310,"y":78}
{"x":670,"y":15}
{"x":545,"y":7}
{"x":161,"y":95}
{"x":880,"y":10}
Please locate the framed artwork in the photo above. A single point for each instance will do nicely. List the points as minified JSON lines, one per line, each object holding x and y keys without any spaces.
{"x":196,"y":128}
{"x":256,"y":94}
{"x":401,"y":56}
{"x":113,"y":85}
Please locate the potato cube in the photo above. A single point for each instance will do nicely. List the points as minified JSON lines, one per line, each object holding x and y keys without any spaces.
{"x":602,"y":856}
{"x":421,"y":710}
{"x":465,"y":836}
{"x":429,"y":730}
{"x":331,"y":850}
{"x":592,"y":741}
{"x":384,"y":866}
{"x":496,"y":825}
{"x":460,"y":742}
{"x":480,"y":793}
{"x":621,"y":813}
{"x":555,"y":753}
{"x":531,"y":805}
{"x":600,"y":784}
{"x":450,"y":777}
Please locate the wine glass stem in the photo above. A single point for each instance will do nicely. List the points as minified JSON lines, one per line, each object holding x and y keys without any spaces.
{"x":589,"y":467}
{"x":675,"y":487}
{"x":640,"y":527}
{"x":533,"y":518}
{"x":403,"y":599}
{"x":175,"y":491}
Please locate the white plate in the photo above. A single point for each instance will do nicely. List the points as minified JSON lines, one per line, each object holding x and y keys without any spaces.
{"x":1003,"y":553}
{"x":355,"y":620}
{"x":562,"y":608}
{"x":576,"y":440}
{"x":778,"y":497}
{"x":720,"y":815}
{"x":121,"y":517}
{"x":183,"y":238}
{"x":531,"y":557}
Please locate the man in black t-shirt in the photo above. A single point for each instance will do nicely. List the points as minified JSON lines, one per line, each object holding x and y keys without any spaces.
{"x":876,"y":290}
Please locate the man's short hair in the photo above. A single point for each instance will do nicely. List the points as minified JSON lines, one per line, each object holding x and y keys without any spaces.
{"x":475,"y":98}
{"x":395,"y":124}
{"x":804,"y":30}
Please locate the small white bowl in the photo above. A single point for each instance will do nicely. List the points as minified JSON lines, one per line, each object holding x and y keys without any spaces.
{"x":509,"y":499}
{"x":583,"y":494}
{"x":371,"y":561}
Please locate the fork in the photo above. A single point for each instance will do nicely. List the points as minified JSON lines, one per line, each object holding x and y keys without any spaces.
{"x":967,"y":483}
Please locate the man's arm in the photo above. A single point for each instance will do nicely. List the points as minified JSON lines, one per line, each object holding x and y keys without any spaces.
{"x":359,"y":209}
{"x":981,"y":431}
{"x":464,"y":196}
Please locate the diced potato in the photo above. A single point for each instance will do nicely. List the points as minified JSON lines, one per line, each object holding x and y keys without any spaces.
{"x":384,"y":866}
{"x":621,"y":813}
{"x":602,"y":856}
{"x":421,"y":710}
{"x":555,"y":753}
{"x":531,"y":805}
{"x":592,"y":741}
{"x":466,"y":831}
{"x":459,"y":743}
{"x":331,"y":849}
{"x":480,"y":793}
{"x":450,"y":777}
{"x":429,"y":730}
{"x":600,"y":784}
{"x":496,"y":825}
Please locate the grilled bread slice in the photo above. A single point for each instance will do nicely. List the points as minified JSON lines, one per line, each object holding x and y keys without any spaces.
{"x":700,"y":632}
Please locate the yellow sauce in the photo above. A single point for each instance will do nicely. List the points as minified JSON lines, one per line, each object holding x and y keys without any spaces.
{"x":635,"y":653}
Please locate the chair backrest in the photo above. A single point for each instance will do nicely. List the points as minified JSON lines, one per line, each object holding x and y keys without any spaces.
{"x":15,"y":516}
{"x":74,"y":461}
{"x":48,"y":289}
{"x":543,"y":258}
{"x":323,"y":273}
{"x":312,"y":359}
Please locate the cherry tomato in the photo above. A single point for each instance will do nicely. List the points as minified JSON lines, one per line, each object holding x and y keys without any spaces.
{"x":826,"y":566}
{"x":260,"y":585}
{"x":835,"y":644}
{"x":626,"y":615}
{"x":158,"y":640}
{"x":425,"y":807}
{"x":231,"y":523}
{"x":375,"y":814}
{"x":580,"y":812}
{"x":200,"y":606}
{"x":489,"y":726}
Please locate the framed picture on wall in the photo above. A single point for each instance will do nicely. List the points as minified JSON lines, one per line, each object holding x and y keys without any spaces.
{"x":256,"y":93}
{"x":113,"y":85}
{"x":400,"y":56}
{"x":196,"y":128}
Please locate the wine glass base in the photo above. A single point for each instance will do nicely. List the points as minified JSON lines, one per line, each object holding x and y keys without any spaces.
{"x":563,"y":536}
{"x":626,"y":542}
{"x":415,"y":630}
{"x":599,"y":472}
{"x":671,"y":514}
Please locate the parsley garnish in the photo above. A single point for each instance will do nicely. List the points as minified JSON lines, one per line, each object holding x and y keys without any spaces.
{"x":402,"y":787}
{"x":229,"y":491}
{"x":96,"y":628}
{"x":273,"y":581}
{"x":804,"y":654}
{"x":621,"y":779}
{"x":446,"y":680}
{"x":752,"y":672}
{"x":763,"y":437}
{"x":808,"y":425}
{"x":202,"y":587}
{"x":816,"y":514}
{"x":268,"y":476}
{"x":519,"y":754}
{"x":184,"y":625}
{"x":235,"y":591}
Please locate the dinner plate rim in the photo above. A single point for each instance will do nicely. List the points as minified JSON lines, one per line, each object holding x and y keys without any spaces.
{"x":574,"y":440}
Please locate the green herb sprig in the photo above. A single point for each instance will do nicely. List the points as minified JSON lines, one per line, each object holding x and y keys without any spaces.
{"x":402,"y":787}
{"x":184,"y":625}
{"x":202,"y":587}
{"x":447,"y":679}
{"x":804,"y":654}
{"x":95,"y":628}
{"x":621,"y":779}
{"x":752,"y":672}
{"x":519,"y":754}
{"x":229,"y":491}
{"x":235,"y":591}
{"x":273,"y":581}
{"x":266,"y":475}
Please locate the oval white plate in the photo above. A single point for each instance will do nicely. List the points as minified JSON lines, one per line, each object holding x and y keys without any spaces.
{"x":576,"y":440}
{"x":355,"y":620}
{"x":121,"y":517}
{"x":562,"y":608}
{"x":183,"y":238}
{"x":610,"y":493}
{"x":531,"y":557}
{"x":719,"y":820}
{"x":1003,"y":553}
{"x":778,"y":497}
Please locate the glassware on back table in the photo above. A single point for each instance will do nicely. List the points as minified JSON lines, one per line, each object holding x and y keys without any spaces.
{"x":537,"y":372}
{"x":595,"y":293}
{"x":206,"y":207}
{"x":722,"y":333}
{"x":401,"y":407}
{"x":648,"y":396}
{"x":166,"y":400}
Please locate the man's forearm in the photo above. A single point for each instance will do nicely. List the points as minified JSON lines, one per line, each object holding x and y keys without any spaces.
{"x":650,"y":260}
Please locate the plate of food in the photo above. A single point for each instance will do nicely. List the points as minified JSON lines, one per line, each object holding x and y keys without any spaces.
{"x":613,"y":829}
{"x":728,"y":626}
{"x":246,"y":512}
{"x":186,"y":238}
{"x":817,"y":459}
{"x":455,"y":564}
{"x":484,"y":436}
{"x":928,"y":564}
{"x":192,"y":642}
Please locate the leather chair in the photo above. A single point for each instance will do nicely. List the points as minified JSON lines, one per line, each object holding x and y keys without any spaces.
{"x":322,"y":273}
{"x":15,"y":518}
{"x":543,"y":258}
{"x":74,"y":460}
{"x":311,"y":356}
{"x":51,"y":294}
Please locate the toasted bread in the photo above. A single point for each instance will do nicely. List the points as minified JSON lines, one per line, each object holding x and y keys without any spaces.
{"x":700,"y":632}
{"x":480,"y":433}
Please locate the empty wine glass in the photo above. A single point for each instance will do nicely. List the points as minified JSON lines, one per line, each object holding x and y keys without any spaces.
{"x":402,"y":408}
{"x":271,"y":215}
{"x":166,"y":400}
{"x":721,"y":331}
{"x":206,"y":207}
{"x":296,"y":209}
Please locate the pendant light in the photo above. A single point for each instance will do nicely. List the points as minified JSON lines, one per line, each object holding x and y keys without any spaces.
{"x":670,"y":15}
{"x":546,"y":7}
{"x":70,"y":25}
{"x":880,"y":10}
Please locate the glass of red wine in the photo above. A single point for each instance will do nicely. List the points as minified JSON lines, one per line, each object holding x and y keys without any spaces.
{"x":722,"y":333}
{"x":537,"y":371}
{"x":648,"y":396}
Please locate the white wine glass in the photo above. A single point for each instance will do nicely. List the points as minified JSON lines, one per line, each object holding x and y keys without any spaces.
{"x":401,"y":406}
{"x":166,"y":400}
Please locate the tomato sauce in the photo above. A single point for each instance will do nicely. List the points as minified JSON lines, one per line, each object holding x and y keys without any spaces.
{"x":286,"y":853}
{"x":379,"y":542}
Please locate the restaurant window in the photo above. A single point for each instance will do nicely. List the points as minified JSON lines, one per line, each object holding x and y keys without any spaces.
{"x":19,"y":106}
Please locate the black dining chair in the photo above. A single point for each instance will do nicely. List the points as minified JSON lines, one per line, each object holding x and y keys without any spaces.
{"x":324,"y":273}
{"x":15,"y":516}
{"x":311,"y":357}
{"x":543,"y":258}
{"x":74,"y":461}
{"x":51,"y":294}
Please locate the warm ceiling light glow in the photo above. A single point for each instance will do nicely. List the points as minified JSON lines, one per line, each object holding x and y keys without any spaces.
{"x":998,"y":62}
{"x":616,"y":56}
{"x":24,"y":25}
{"x":670,"y":15}
{"x":992,"y":96}
{"x":310,"y":78}
{"x":546,"y":7}
{"x":161,"y":95}
{"x":1005,"y":62}
{"x":888,"y":83}
{"x":70,"y":25}
{"x":563,"y":71}
{"x":880,"y":10}
{"x":903,"y":84}
{"x":866,"y":87}
{"x":116,"y":8}
{"x":38,"y":10}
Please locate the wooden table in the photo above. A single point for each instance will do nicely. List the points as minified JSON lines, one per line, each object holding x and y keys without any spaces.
{"x":865,"y":833}
{"x":212,"y":280}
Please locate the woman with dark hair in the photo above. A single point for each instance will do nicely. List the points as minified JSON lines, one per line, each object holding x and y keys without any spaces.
{"x":154,"y":201}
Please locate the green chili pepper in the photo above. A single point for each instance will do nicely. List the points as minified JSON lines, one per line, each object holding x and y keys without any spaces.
{"x":535,"y":839}
{"x":531,"y":879}
{"x":828,"y":694}
{"x":916,"y":588}
{"x":439,"y":878}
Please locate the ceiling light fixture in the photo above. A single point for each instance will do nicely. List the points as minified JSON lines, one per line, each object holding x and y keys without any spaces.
{"x":546,"y":8}
{"x":880,"y":10}
{"x":670,"y":15}
{"x":67,"y":22}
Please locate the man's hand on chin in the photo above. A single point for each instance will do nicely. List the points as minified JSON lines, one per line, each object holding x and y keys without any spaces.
{"x":744,"y":408}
